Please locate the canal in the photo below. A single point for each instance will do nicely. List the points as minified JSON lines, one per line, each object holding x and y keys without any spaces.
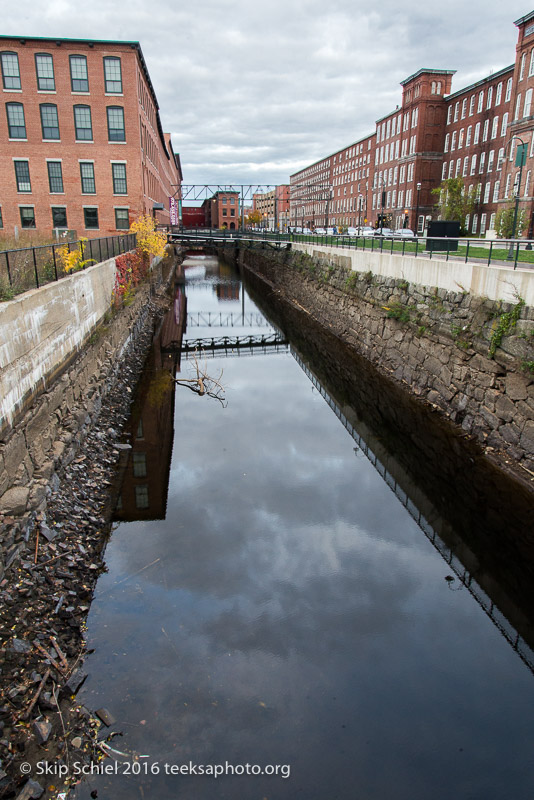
{"x":286,"y":591}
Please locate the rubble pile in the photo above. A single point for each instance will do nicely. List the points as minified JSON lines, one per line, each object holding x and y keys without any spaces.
{"x":46,"y":594}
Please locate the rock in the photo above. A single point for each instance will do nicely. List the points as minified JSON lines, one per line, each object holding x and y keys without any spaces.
{"x":48,"y":533}
{"x":76,"y":742}
{"x":104,"y":715}
{"x":74,"y":682}
{"x":42,"y":731}
{"x":14,"y":501}
{"x":32,"y":790}
{"x":20,"y":646}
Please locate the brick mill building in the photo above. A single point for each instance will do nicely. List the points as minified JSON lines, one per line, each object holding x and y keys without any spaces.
{"x":273,"y":207}
{"x":432,"y":135}
{"x":82,"y":146}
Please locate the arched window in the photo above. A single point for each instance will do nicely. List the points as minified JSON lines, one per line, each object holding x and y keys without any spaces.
{"x":10,"y":70}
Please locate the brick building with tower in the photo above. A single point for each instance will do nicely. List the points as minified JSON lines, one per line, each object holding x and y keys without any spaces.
{"x":82,"y":145}
{"x":433,"y":134}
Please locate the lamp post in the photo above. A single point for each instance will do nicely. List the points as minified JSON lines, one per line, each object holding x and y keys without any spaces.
{"x":520,"y":159}
{"x":418,"y":187}
{"x":360,"y":204}
{"x":328,"y":198}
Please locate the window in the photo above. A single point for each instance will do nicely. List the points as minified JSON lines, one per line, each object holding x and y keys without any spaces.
{"x":468,"y":136}
{"x":480,"y":101}
{"x":492,"y":221}
{"x":49,"y":121}
{"x":119,"y":178}
{"x":508,"y":90}
{"x":528,"y":103}
{"x":90,"y":217}
{"x":453,"y":141}
{"x":490,"y":160}
{"x":504,"y":124}
{"x":55,"y":176}
{"x":456,"y":108}
{"x":494,"y":127}
{"x":449,"y":114}
{"x":498,"y":94}
{"x":527,"y":183}
{"x":116,"y":132}
{"x":496,"y":189}
{"x":139,"y":465}
{"x":485,"y":130}
{"x":472,"y":105}
{"x":59,"y":217}
{"x":22,"y":174}
{"x":44,"y":67}
{"x":79,"y":80}
{"x":489,"y":97}
{"x":475,"y":223}
{"x":517,"y":106}
{"x":464,"y":107}
{"x":482,"y":162}
{"x":508,"y":182}
{"x":27,"y":217}
{"x":10,"y":71}
{"x":531,"y":67}
{"x":473,"y":164}
{"x":82,"y":123}
{"x":122,"y":219}
{"x":460,"y":139}
{"x":112,"y":75}
{"x":444,"y":171}
{"x":522,"y":67}
{"x":87,"y":172}
{"x":465,"y":166}
{"x":141,"y":497}
{"x":15,"y":120}
{"x":487,"y":190}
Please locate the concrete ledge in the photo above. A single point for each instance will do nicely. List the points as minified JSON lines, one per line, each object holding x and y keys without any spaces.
{"x":495,"y":283}
{"x":42,"y":328}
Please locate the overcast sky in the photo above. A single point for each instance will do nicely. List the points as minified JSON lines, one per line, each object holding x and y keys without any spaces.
{"x":253,"y":92}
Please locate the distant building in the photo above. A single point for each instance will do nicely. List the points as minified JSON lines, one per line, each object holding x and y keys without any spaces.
{"x":222,"y":210}
{"x":273,"y":207}
{"x":82,"y":146}
{"x":432,"y":135}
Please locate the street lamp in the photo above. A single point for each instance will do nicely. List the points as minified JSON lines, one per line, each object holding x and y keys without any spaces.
{"x":418,"y":187}
{"x":520,"y":159}
{"x":328,"y":198}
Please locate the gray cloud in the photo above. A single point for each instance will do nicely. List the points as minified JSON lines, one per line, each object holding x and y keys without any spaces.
{"x":257,"y":94}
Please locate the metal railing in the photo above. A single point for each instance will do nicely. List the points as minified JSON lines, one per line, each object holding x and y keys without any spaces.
{"x":503,"y":252}
{"x":31,"y":267}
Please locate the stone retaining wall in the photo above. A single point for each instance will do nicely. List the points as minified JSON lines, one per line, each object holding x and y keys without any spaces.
{"x":48,"y":436}
{"x":451,"y":348}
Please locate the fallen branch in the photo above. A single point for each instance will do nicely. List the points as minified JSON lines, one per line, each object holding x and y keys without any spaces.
{"x":35,"y":698}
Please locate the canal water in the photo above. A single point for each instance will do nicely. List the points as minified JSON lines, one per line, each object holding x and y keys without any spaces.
{"x":277,"y":602}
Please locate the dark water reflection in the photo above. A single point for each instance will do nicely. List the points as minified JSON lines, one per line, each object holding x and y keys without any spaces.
{"x":286,"y":609}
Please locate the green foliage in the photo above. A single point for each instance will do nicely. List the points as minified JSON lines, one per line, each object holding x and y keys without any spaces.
{"x":527,"y":366}
{"x":504,"y":222}
{"x":506,"y":323}
{"x":398,"y":311}
{"x":351,"y":281}
{"x":455,"y":201}
{"x":6,"y":291}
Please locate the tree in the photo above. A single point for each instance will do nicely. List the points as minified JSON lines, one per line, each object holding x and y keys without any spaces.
{"x":504,"y":221}
{"x":455,"y":201}
{"x":254,"y":218}
{"x":150,"y":241}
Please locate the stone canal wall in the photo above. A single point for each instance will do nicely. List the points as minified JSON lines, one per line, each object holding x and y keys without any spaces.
{"x":49,"y":434}
{"x":467,"y":355}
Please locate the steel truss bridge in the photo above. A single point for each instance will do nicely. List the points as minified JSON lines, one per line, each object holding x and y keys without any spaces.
{"x":231,"y":345}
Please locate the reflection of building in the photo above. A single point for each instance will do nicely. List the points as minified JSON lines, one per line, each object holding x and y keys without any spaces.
{"x":273,"y":207}
{"x":143,"y":493}
{"x":81,"y":141}
{"x":228,"y":291}
{"x":431,"y":136}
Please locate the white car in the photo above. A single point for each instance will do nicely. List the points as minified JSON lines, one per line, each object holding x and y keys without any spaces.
{"x":387,"y":233}
{"x":404,"y":233}
{"x":367,"y":231}
{"x":320,"y":231}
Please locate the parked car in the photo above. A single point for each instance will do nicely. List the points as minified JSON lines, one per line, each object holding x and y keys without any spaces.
{"x":320,"y":231}
{"x":352,"y":231}
{"x":367,"y":231}
{"x":404,"y":233}
{"x":385,"y":233}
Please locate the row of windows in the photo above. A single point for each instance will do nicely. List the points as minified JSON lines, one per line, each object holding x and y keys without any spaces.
{"x":480,"y":103}
{"x":451,"y":139}
{"x":44,"y":70}
{"x":83,"y":125}
{"x":55,"y":177}
{"x":59,"y":217}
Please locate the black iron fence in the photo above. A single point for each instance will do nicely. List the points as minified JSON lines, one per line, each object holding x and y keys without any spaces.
{"x":503,"y":252}
{"x":31,"y":267}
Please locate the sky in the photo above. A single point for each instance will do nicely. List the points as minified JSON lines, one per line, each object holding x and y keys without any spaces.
{"x":253,"y":92}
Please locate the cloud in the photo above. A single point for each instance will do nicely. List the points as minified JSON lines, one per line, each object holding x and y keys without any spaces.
{"x":257,"y":94}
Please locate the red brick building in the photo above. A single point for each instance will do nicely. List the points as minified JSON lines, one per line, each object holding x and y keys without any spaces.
{"x":223,"y":210}
{"x":273,"y":207}
{"x":82,"y":146}
{"x":432,"y":135}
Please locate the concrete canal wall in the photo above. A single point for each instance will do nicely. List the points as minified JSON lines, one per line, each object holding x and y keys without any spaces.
{"x":459,"y":336}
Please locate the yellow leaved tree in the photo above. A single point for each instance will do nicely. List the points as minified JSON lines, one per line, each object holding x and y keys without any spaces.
{"x":150,"y":241}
